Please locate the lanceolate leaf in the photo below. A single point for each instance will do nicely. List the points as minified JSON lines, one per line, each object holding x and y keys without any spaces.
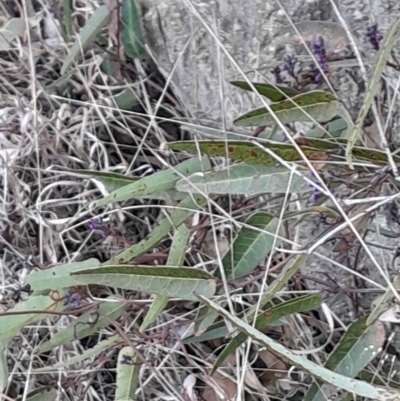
{"x":131,"y":30}
{"x":99,"y":347}
{"x":356,"y":349}
{"x":3,"y":368}
{"x":85,"y":325}
{"x":161,"y":181}
{"x":58,"y":276}
{"x":244,"y":151}
{"x":111,"y":181}
{"x":11,"y":30}
{"x":248,"y":249}
{"x":126,"y":99}
{"x":357,"y":387}
{"x":98,"y":20}
{"x":334,"y":128}
{"x":180,"y":282}
{"x":291,"y":267}
{"x":313,"y":148}
{"x":176,"y":257}
{"x":320,"y":106}
{"x":43,"y":394}
{"x":10,"y":324}
{"x":183,"y":211}
{"x":251,"y":246}
{"x":298,"y":305}
{"x":243,"y":179}
{"x":273,"y":92}
{"x":382,"y":56}
{"x":126,"y":386}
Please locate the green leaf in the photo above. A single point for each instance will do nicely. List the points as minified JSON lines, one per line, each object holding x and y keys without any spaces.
{"x":180,"y":282}
{"x":250,"y":246}
{"x":219,"y":329}
{"x":157,"y":182}
{"x":176,"y":257}
{"x":374,"y":378}
{"x":287,"y":272}
{"x":321,"y":106}
{"x":10,"y":323}
{"x":384,"y":301}
{"x":126,"y":385}
{"x":335,"y":129}
{"x":379,"y":64}
{"x":244,"y":151}
{"x":97,"y":21}
{"x":355,"y":350}
{"x":126,"y":99}
{"x":3,"y":368}
{"x":273,"y":92}
{"x":43,"y":394}
{"x":114,"y":181}
{"x":357,"y":387}
{"x":59,"y":276}
{"x":99,"y":347}
{"x":85,"y":325}
{"x":184,"y":210}
{"x":290,"y":268}
{"x":11,"y":30}
{"x":298,"y":305}
{"x":67,"y":19}
{"x":131,"y":31}
{"x":111,"y":181}
{"x":243,"y":179}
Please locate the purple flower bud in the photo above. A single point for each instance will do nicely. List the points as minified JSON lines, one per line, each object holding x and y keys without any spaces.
{"x":92,"y":224}
{"x":314,"y":197}
{"x":73,"y":299}
{"x":374,"y":36}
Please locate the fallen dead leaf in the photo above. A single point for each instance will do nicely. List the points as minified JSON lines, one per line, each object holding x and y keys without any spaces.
{"x":276,"y":371}
{"x":224,"y":389}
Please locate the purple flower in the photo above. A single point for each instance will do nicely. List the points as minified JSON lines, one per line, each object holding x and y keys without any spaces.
{"x":318,"y":48}
{"x":73,"y":299}
{"x":374,"y":36}
{"x":96,"y":225}
{"x":277,"y":74}
{"x":289,"y":65}
{"x":92,"y":224}
{"x":315,"y":196}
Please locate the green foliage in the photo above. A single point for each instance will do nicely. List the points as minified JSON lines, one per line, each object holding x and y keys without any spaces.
{"x":243,"y":179}
{"x":273,"y":92}
{"x":3,"y":368}
{"x":379,"y":64}
{"x":319,"y":105}
{"x":98,"y":20}
{"x":297,"y":305}
{"x":251,"y":245}
{"x":87,"y":324}
{"x":180,"y":282}
{"x":354,"y":386}
{"x":156,"y":183}
{"x":132,"y":36}
{"x":356,"y":349}
{"x":245,"y":170}
{"x":126,"y":383}
{"x":176,"y":257}
{"x":184,"y":210}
